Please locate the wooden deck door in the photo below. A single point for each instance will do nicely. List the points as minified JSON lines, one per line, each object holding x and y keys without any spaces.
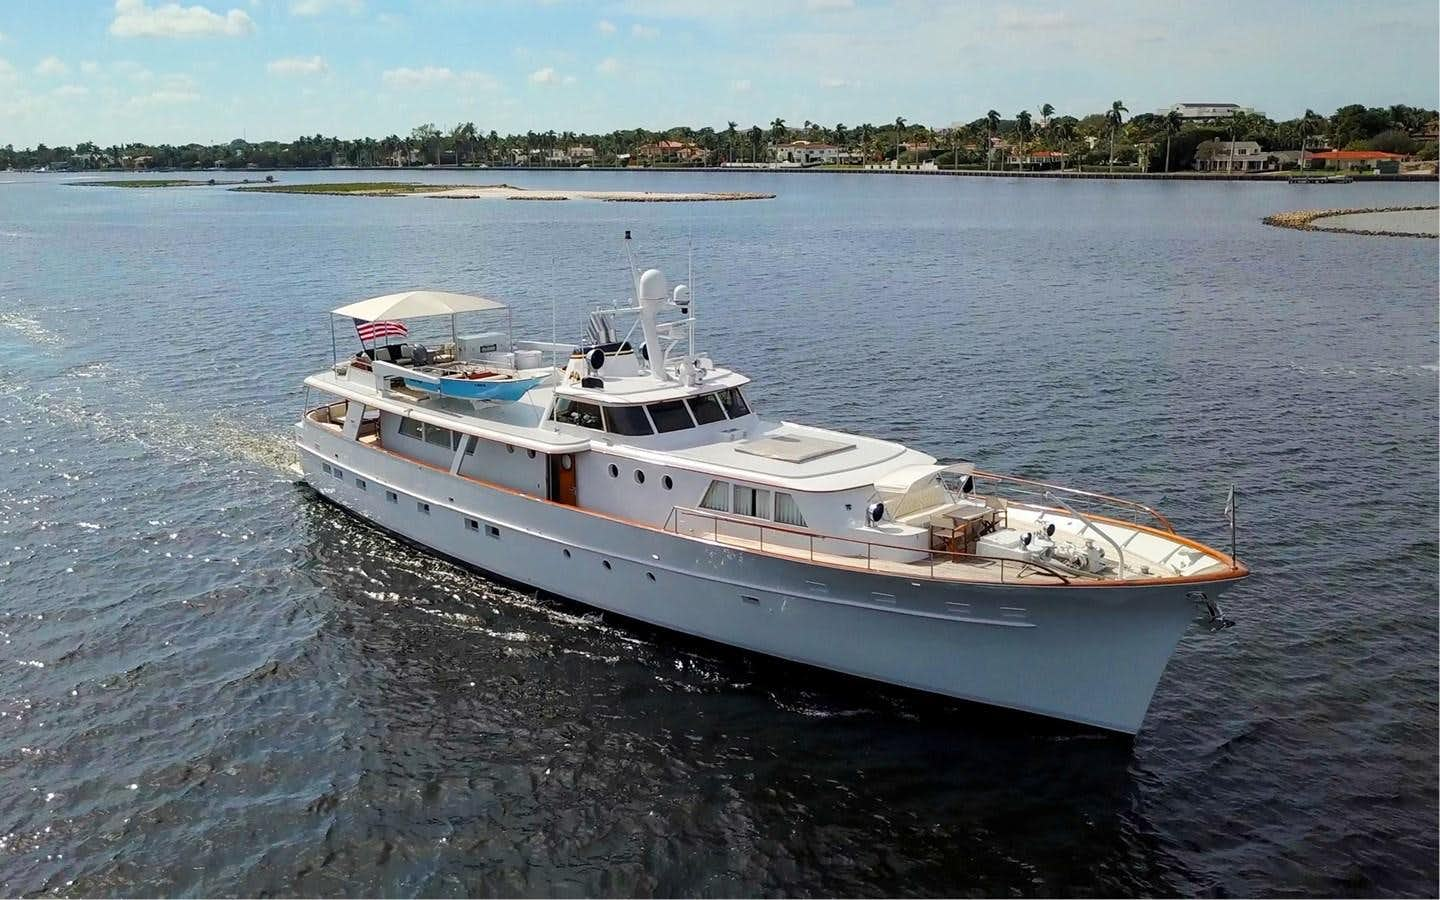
{"x":562,"y":478}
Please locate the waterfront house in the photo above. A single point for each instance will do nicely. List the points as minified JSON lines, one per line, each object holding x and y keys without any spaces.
{"x":1205,"y":112}
{"x":808,"y":153}
{"x":1377,"y":160}
{"x":581,"y":153}
{"x":1038,"y":159}
{"x":1233,"y":156}
{"x":670,"y":151}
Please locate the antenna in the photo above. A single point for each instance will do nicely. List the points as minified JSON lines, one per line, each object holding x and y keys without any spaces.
{"x":553,"y":339}
{"x":690,"y":279}
{"x":634,"y":276}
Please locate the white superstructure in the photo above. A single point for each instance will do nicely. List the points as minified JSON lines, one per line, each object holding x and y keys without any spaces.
{"x":633,"y":475}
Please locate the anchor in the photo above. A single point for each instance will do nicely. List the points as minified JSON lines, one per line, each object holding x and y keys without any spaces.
{"x":1217,"y":620}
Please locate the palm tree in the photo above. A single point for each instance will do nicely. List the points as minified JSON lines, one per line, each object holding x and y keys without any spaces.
{"x":1173,"y":123}
{"x":777,"y":129}
{"x":1310,"y":124}
{"x":1114,"y":118}
{"x":1022,"y":127}
{"x":840,"y":134}
{"x":756,"y":136}
{"x":992,"y":118}
{"x":730,"y":135}
{"x":1046,"y":111}
{"x":1065,"y":136}
{"x":899,"y":132}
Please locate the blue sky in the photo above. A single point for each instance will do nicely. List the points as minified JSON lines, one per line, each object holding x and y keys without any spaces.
{"x":119,"y":70}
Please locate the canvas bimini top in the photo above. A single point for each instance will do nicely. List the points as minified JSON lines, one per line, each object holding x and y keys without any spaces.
{"x":416,"y":304}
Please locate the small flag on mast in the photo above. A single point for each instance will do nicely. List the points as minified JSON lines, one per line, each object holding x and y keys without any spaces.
{"x":370,"y":331}
{"x":1230,"y":507}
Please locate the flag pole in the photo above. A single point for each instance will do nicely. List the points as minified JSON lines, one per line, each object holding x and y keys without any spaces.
{"x":1233,"y":558}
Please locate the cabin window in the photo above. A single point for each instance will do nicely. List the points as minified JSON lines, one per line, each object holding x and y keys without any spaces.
{"x":630,"y":420}
{"x":668,"y":482}
{"x":578,"y":412}
{"x":787,"y":511}
{"x":410,"y":428}
{"x":440,"y":437}
{"x":392,"y":497}
{"x":717,"y":497}
{"x":670,"y":415}
{"x":614,"y":471}
{"x":325,"y":467}
{"x":492,"y":531}
{"x":338,"y":473}
{"x":360,"y":483}
{"x":465,"y":439}
{"x":472,"y":525}
{"x":706,"y":409}
{"x":752,"y":502}
{"x":423,"y":507}
{"x":734,"y":404}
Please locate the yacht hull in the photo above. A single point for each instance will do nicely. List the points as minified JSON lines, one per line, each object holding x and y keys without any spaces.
{"x":1091,"y":655}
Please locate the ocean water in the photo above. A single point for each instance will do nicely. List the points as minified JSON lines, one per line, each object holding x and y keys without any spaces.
{"x":215,"y":684}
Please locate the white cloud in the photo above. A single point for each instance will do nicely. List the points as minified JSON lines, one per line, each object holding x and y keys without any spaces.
{"x":71,"y":90}
{"x":133,"y":18}
{"x":321,"y":7}
{"x":7,"y":71}
{"x":546,"y":76}
{"x":406,"y":78}
{"x":89,"y":67}
{"x":605,"y":27}
{"x":165,"y":97}
{"x":834,"y":83}
{"x":741,"y":87}
{"x":829,"y":5}
{"x":644,"y":32}
{"x":52,"y":67}
{"x":427,"y":76}
{"x":608,"y":66}
{"x":297,"y":65}
{"x":1031,"y":20}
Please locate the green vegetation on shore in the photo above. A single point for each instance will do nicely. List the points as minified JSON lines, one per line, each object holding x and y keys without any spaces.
{"x":1110,"y":138}
{"x":146,"y":183}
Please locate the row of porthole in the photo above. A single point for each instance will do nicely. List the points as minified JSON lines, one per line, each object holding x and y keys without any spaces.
{"x":606,"y":563}
{"x":510,"y":448}
{"x":665,"y":480}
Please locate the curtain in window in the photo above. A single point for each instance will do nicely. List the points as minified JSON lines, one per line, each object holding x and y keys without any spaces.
{"x":787,"y":512}
{"x":717,"y":497}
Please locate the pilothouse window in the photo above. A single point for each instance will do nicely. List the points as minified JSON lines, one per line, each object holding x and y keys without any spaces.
{"x":707,"y":409}
{"x":734,"y":404}
{"x":629,"y":420}
{"x":670,"y":415}
{"x":576,"y":412}
{"x":410,"y":428}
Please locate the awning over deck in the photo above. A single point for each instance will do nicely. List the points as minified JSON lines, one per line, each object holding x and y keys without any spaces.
{"x":415,"y":304}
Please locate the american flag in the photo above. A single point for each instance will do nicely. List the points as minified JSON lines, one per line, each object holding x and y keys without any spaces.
{"x":370,"y":331}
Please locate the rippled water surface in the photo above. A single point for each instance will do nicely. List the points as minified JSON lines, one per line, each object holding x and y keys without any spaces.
{"x":214,"y":684}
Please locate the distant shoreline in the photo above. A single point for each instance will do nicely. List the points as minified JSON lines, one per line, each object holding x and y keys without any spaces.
{"x":1264,"y":178}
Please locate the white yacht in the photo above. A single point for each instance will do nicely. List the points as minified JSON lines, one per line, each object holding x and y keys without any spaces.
{"x":631,"y":473}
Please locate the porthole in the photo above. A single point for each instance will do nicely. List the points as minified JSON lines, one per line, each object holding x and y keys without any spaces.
{"x":606,"y":564}
{"x":531,"y":453}
{"x":566,"y":551}
{"x":509,"y":448}
{"x":667,"y":482}
{"x":650,"y":576}
{"x":639,"y":476}
{"x":614,"y":471}
{"x":566,"y":462}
